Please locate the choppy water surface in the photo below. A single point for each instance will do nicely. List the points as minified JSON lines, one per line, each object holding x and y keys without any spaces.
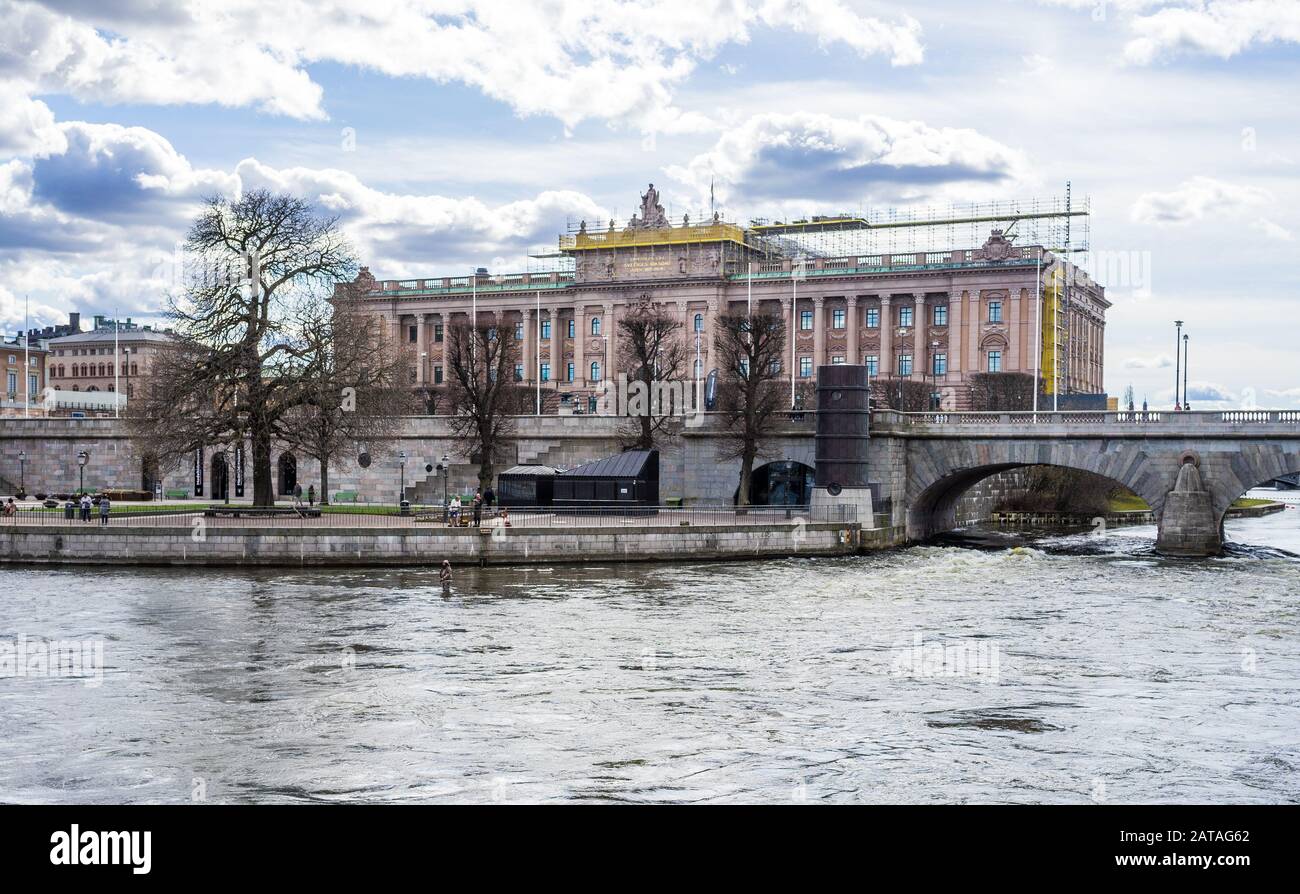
{"x":1076,"y":668}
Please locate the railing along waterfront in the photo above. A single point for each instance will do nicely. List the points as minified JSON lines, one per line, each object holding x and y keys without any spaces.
{"x":434,"y":518}
{"x":1092,"y":417}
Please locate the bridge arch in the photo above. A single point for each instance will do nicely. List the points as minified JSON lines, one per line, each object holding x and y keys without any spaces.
{"x":940,"y":472}
{"x":1231,"y":476}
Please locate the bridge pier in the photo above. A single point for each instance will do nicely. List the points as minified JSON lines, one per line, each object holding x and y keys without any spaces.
{"x":1189,"y":525}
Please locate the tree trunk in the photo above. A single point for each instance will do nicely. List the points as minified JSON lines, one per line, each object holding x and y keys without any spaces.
{"x":263,"y":482}
{"x":746,"y":469}
{"x":324,"y":480}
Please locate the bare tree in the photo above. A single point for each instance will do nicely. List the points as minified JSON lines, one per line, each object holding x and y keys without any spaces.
{"x":651,"y":350}
{"x":903,"y":395}
{"x":239,"y":363}
{"x":750,"y":394}
{"x":482,"y":396}
{"x":354,"y":389}
{"x":1002,"y":391}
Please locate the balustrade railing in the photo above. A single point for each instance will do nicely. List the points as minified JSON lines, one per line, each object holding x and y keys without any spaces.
{"x":1092,"y":418}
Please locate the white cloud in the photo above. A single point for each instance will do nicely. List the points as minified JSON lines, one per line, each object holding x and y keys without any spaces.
{"x":26,"y":125}
{"x":1160,"y":361}
{"x":569,"y":59}
{"x":1161,"y":29}
{"x":1273,"y":230}
{"x":1195,"y":198}
{"x":1208,"y":391}
{"x":1220,"y":28}
{"x":836,"y":162}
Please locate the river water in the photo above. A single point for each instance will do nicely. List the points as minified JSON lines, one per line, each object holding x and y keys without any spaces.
{"x":989,"y":668}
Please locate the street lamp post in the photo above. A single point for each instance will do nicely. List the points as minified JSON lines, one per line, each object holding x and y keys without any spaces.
{"x":934,"y":373}
{"x":22,"y":471}
{"x":82,"y":458}
{"x":1186,"y":401}
{"x":401,"y":459}
{"x":1178,"y":340}
{"x":445,"y":468}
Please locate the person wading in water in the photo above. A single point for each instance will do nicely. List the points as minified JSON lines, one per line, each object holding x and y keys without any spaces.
{"x":445,"y":576}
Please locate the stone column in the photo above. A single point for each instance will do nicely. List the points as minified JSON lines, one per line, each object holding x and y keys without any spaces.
{"x":852,"y":323}
{"x":920,"y":349}
{"x":531,"y":372}
{"x":557,"y":339}
{"x":445,"y":319}
{"x":819,"y":333}
{"x":973,"y":323}
{"x":579,"y":340}
{"x":887,"y":367}
{"x":710,"y":317}
{"x":610,"y":331}
{"x":421,"y":348}
{"x":955,"y":318}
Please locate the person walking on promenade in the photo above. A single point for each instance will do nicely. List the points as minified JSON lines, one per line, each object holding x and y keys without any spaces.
{"x":11,"y":508}
{"x":455,"y":511}
{"x":489,"y":499}
{"x":478,"y":507}
{"x":311,"y":495}
{"x":444,"y":575}
{"x":104,"y":507}
{"x":85,"y":507}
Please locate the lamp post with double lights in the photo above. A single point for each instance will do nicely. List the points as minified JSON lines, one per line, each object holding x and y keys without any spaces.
{"x":1178,"y":344}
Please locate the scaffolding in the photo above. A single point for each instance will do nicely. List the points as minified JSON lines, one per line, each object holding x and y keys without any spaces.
{"x":1040,"y":221}
{"x":1056,"y":332}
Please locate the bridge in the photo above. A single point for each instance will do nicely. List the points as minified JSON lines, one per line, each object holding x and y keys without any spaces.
{"x":1189,"y":466}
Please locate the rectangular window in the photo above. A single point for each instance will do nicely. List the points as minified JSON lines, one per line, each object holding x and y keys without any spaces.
{"x":940,"y":364}
{"x":546,"y":330}
{"x":519,"y":331}
{"x":995,"y":311}
{"x":744,"y":368}
{"x":13,"y":383}
{"x":546,"y":372}
{"x":437,"y":332}
{"x":873,"y":318}
{"x":837,"y":361}
{"x":437,"y":375}
{"x":519,"y":372}
{"x":905,"y":317}
{"x":904,"y":364}
{"x":995,"y":361}
{"x":571,"y":331}
{"x":805,"y":320}
{"x":873,"y":365}
{"x":805,"y":367}
{"x":775,"y":367}
{"x":568,"y":374}
{"x":941,"y":315}
{"x":839,"y":316}
{"x":412,"y":334}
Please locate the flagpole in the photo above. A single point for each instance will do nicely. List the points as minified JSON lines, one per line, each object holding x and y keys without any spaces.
{"x":1038,"y":337}
{"x":117,"y":394}
{"x":27,"y":355}
{"x":538,"y":361}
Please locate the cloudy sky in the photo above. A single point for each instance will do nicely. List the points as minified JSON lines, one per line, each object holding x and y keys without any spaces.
{"x":454,"y":134}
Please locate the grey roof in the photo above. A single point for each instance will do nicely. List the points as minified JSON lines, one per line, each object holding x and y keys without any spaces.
{"x":533,"y":470}
{"x":106,"y":335}
{"x":628,"y":464}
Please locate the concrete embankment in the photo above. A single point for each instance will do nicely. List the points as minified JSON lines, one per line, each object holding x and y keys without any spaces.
{"x":1030,"y":519}
{"x":284,"y":546}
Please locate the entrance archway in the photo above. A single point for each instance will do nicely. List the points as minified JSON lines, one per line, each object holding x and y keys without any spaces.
{"x":288,"y":474}
{"x":783,"y":483}
{"x":220,"y":477}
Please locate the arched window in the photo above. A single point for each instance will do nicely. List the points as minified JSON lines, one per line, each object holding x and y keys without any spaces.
{"x":699,"y":368}
{"x":595,"y":371}
{"x":595,"y":325}
{"x":699,"y":322}
{"x":134,"y":370}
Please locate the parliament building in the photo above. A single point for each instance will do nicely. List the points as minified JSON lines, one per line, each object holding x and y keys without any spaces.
{"x":937,"y":316}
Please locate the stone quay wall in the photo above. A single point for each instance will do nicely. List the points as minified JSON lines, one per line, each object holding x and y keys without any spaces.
{"x":299,"y":547}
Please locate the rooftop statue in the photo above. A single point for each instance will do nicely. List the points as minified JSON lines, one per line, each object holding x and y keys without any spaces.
{"x":652,"y":213}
